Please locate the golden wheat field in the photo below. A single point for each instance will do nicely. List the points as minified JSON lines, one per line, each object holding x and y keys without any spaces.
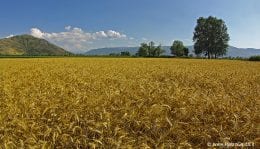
{"x":127,"y":102}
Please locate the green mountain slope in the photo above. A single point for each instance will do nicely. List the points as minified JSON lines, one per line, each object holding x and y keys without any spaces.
{"x":29,"y":45}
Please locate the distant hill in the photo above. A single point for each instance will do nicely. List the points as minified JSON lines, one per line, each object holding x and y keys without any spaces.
{"x":232,"y":51}
{"x":107,"y":51}
{"x":29,"y":45}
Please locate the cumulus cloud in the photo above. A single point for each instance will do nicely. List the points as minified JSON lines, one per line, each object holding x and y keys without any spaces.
{"x":76,"y":38}
{"x":9,"y":36}
{"x":37,"y":33}
{"x":114,"y":34}
{"x":67,"y":28}
{"x":76,"y":34}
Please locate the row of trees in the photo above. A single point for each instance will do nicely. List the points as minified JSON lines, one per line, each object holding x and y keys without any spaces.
{"x":210,"y":39}
{"x":123,"y":53}
{"x":149,"y":50}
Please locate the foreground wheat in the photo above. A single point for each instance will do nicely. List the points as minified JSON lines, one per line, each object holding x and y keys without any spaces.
{"x":127,"y":103}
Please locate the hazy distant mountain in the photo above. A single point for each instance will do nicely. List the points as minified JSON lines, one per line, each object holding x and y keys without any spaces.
{"x":29,"y":45}
{"x":232,"y":51}
{"x":107,"y":51}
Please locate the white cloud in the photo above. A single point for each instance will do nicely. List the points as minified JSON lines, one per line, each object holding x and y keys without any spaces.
{"x":67,"y":28}
{"x":37,"y":33}
{"x":114,"y":34}
{"x":100,"y":34}
{"x":9,"y":36}
{"x":76,"y":38}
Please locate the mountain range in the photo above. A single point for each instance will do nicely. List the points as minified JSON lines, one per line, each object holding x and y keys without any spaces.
{"x":29,"y":45}
{"x":231,"y":52}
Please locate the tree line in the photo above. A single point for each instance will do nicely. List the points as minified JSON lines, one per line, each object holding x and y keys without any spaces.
{"x":150,"y":50}
{"x":210,"y":39}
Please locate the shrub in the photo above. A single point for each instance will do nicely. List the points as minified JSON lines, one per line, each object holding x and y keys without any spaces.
{"x":254,"y":58}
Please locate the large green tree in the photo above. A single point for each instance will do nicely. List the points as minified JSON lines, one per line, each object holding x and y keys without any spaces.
{"x":210,"y":37}
{"x":178,"y":49}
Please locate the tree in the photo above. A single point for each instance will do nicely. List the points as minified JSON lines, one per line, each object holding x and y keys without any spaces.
{"x":125,"y":53}
{"x":114,"y":54}
{"x":185,"y":51}
{"x":143,"y":50}
{"x":158,"y":51}
{"x":178,"y":49}
{"x":210,"y":37}
{"x":149,"y":50}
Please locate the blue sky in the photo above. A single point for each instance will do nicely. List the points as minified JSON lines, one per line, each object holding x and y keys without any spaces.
{"x":110,"y":23}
